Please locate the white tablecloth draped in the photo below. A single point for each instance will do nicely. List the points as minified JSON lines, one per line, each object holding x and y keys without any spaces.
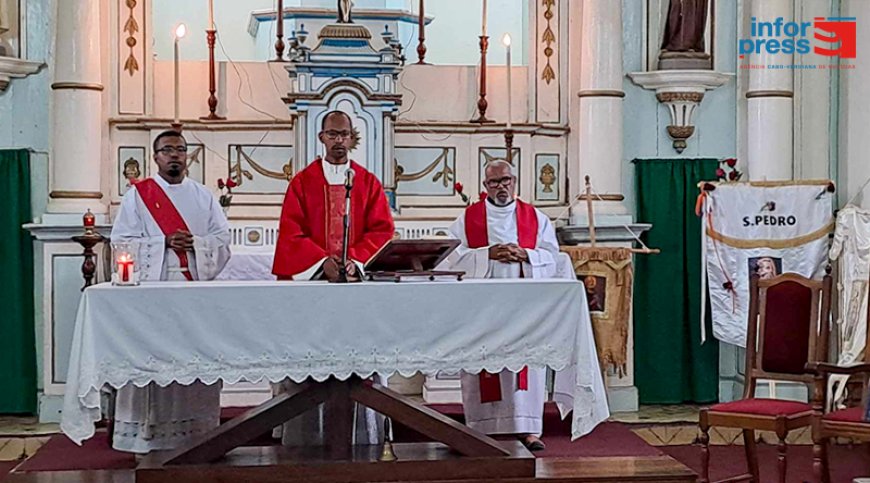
{"x":168,"y":332}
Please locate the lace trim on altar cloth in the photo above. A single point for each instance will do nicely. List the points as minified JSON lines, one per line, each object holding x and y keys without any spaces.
{"x":319,"y":367}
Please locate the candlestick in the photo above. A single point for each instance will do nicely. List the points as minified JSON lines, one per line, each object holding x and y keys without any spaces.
{"x":507,"y":43}
{"x":88,"y":241}
{"x":212,"y":83}
{"x":421,"y":36}
{"x":279,"y":24}
{"x":481,"y":101}
{"x":180,"y":32}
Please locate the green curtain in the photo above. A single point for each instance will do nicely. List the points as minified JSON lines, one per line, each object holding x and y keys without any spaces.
{"x":17,"y":338}
{"x":671,"y":364}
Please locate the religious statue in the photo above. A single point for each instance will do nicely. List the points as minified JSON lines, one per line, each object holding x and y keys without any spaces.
{"x":344,"y":7}
{"x":683,"y":41}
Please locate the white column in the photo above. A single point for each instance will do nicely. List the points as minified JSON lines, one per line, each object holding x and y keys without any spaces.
{"x":76,"y":147}
{"x":601,"y":95}
{"x":854,"y":170}
{"x":770,"y":110}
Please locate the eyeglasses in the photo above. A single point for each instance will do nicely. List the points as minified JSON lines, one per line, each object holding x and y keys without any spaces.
{"x":333,"y":135}
{"x":173,"y":149}
{"x":495,"y":183}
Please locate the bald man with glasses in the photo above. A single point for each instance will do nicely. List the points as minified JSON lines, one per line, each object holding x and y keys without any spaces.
{"x":503,"y":237}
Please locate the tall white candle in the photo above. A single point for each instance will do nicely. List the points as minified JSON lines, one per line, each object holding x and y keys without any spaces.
{"x":180,"y":31}
{"x":483,"y":20}
{"x":507,"y":43}
{"x":211,"y":14}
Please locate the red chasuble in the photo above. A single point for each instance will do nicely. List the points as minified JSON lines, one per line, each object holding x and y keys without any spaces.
{"x":477,"y":235}
{"x":311,"y":220}
{"x":166,"y":215}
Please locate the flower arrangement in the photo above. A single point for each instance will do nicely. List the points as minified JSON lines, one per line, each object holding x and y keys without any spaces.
{"x":728,"y":171}
{"x":226,"y":189}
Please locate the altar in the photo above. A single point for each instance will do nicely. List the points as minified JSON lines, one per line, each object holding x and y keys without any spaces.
{"x":255,"y":331}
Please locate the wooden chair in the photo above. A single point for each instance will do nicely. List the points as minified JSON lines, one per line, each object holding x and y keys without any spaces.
{"x":847,"y":423}
{"x":786,"y":315}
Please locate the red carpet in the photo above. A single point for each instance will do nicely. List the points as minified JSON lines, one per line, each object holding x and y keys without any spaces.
{"x":610,"y":439}
{"x":847,"y":463}
{"x":6,"y":467}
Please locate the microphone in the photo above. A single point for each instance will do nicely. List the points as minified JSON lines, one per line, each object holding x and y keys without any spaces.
{"x":348,"y":178}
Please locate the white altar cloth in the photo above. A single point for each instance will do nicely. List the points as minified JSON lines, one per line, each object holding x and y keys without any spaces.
{"x":168,"y":332}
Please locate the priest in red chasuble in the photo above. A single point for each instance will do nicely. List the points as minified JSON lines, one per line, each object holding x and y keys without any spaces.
{"x":503,"y":237}
{"x":310,"y":233}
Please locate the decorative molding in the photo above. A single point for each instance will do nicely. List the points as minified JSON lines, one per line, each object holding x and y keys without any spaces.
{"x":344,"y":31}
{"x":12,"y":68}
{"x":532,"y":129}
{"x":769,"y":93}
{"x":680,"y":97}
{"x":85,"y":86}
{"x":682,"y":92}
{"x":601,"y":93}
{"x":131,"y":27}
{"x":548,"y":39}
{"x":328,"y":14}
{"x":437,"y":161}
{"x":75,"y":195}
{"x":150,"y":124}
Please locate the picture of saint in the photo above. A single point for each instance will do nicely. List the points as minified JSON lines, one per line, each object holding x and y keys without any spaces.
{"x":765,"y":267}
{"x":596,"y":289}
{"x":132,"y":173}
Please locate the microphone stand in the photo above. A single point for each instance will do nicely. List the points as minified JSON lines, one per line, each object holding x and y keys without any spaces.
{"x":342,"y":269}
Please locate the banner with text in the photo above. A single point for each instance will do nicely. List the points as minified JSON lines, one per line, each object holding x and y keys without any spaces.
{"x":765,"y":228}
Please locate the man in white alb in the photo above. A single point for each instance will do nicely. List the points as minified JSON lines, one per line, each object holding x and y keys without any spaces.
{"x":182,"y":235}
{"x":503,"y":237}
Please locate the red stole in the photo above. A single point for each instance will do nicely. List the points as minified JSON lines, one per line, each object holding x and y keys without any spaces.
{"x":166,"y":215}
{"x":477,"y":235}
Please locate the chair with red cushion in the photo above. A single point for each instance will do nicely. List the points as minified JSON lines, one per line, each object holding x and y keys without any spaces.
{"x":786,"y":314}
{"x":847,"y":423}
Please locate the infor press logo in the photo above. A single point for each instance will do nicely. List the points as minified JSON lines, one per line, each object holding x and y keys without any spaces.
{"x":824,"y":36}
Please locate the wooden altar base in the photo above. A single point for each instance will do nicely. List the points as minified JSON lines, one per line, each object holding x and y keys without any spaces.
{"x":624,"y":469}
{"x":276,"y":464}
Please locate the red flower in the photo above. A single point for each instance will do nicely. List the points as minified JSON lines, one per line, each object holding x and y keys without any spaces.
{"x":720,"y":172}
{"x":732,"y":175}
{"x":231,"y":183}
{"x":458,"y":187}
{"x":731,"y":162}
{"x":220,"y":183}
